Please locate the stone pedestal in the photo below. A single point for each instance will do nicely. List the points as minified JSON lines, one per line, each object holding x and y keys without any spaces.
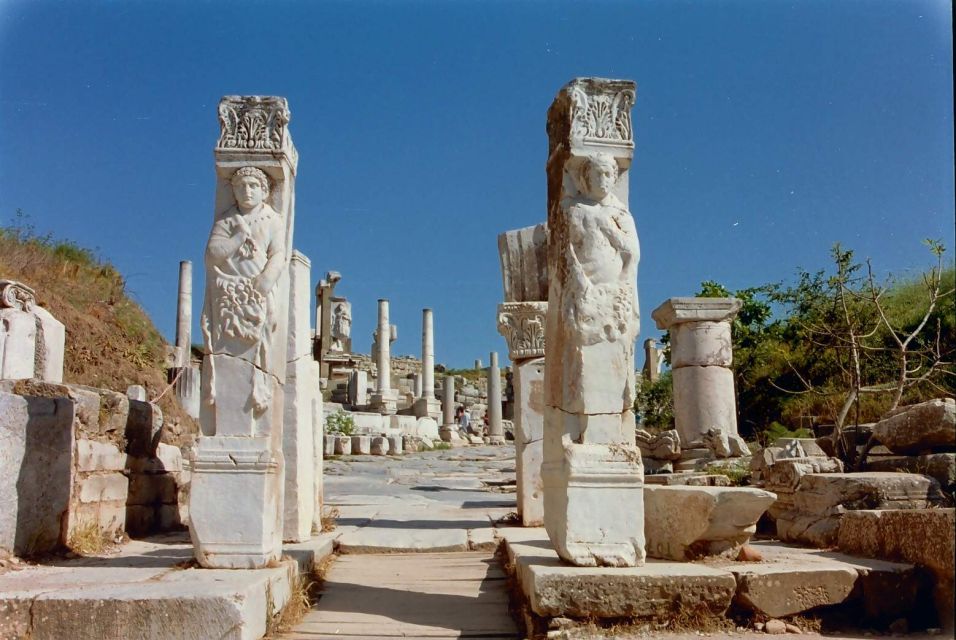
{"x":592,"y":471}
{"x":701,"y":356}
{"x":235,"y":500}
{"x":496,"y":432}
{"x":358,"y":388}
{"x":236,"y":497}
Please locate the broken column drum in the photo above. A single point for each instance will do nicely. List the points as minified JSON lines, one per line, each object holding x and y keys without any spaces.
{"x":237,"y":494}
{"x":592,"y":471}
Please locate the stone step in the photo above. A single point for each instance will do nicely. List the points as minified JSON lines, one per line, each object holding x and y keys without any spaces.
{"x":789,"y":580}
{"x":146,"y":592}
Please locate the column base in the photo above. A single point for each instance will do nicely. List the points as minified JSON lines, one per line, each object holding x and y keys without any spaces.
{"x":385,"y":403}
{"x":594,"y":505}
{"x":234,"y":503}
{"x":496,"y":440}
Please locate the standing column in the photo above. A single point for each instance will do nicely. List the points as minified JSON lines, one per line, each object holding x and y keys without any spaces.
{"x":428,"y":355}
{"x":652,"y":359}
{"x":428,"y":405}
{"x":237,"y":490}
{"x":385,"y":399}
{"x":184,"y":314}
{"x":705,"y":404}
{"x":496,"y":433}
{"x":449,"y":429}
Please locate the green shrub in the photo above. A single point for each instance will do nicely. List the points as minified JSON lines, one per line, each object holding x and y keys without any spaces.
{"x":339,"y":423}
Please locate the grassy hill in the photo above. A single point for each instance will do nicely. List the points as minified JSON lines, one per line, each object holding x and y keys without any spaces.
{"x":110,"y":341}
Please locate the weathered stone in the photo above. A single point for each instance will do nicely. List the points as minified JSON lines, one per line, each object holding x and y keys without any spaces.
{"x":820,"y":500}
{"x":385,"y":399}
{"x":554,"y":589}
{"x":529,"y":432}
{"x":361,"y":445}
{"x":660,"y":446}
{"x":920,"y":428}
{"x":684,"y":523}
{"x":378,"y":446}
{"x":370,"y":422}
{"x":939,"y":466}
{"x":785,"y":473}
{"x":524,"y":264}
{"x":144,"y":428}
{"x":136,"y":392}
{"x":799,"y":448}
{"x":36,"y":448}
{"x":689,"y":479}
{"x":31,"y":339}
{"x":98,"y":456}
{"x":704,"y":398}
{"x":343,"y":445}
{"x":925,"y":537}
{"x":300,"y":390}
{"x":591,"y":464}
{"x":395,"y":445}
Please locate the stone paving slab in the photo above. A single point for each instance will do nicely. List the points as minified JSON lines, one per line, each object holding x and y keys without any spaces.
{"x":147,"y":591}
{"x":445,"y":595}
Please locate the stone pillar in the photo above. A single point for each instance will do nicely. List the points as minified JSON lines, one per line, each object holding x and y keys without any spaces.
{"x":428,"y":355}
{"x":478,"y":364}
{"x":184,"y":314}
{"x":652,"y":361}
{"x":522,"y":325}
{"x":428,"y":406}
{"x":417,"y":385}
{"x":448,"y":402}
{"x":299,"y":446}
{"x":592,"y":471}
{"x":323,"y":320}
{"x":236,"y":495}
{"x":496,"y":431}
{"x":385,"y":399}
{"x":358,"y":388}
{"x":701,"y":356}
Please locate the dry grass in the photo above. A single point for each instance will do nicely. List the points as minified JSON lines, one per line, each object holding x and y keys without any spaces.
{"x":330,"y":516}
{"x":110,"y":341}
{"x":89,"y":540}
{"x":298,"y":604}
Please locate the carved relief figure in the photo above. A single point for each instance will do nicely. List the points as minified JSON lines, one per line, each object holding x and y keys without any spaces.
{"x":599,"y":293}
{"x":245,"y":256}
{"x":341,"y":325}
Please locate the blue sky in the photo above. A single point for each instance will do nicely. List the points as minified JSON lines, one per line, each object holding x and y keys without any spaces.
{"x":765,"y":131}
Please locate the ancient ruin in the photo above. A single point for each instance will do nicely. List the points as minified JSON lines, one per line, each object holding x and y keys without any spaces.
{"x":237,"y":483}
{"x":591,"y":462}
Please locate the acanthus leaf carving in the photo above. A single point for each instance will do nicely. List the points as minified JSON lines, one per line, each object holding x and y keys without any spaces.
{"x":604,"y":116}
{"x":522,"y":325}
{"x":253,"y":123}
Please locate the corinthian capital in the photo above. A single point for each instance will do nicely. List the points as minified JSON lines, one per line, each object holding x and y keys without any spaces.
{"x":522,"y":325}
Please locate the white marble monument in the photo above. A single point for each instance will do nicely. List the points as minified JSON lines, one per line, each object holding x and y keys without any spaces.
{"x":496,"y":430}
{"x":592,"y":470}
{"x":236,"y":497}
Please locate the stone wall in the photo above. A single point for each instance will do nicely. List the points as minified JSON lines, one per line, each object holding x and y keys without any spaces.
{"x":76,"y":460}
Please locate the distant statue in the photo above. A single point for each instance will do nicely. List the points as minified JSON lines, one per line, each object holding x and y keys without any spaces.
{"x":245,"y":256}
{"x":598,"y":296}
{"x":341,"y":325}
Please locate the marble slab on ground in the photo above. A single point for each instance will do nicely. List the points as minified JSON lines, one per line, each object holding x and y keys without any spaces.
{"x":788,"y":581}
{"x":139,"y":591}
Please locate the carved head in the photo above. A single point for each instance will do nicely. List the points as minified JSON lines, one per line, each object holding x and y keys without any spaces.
{"x":250,"y":186}
{"x":598,"y":175}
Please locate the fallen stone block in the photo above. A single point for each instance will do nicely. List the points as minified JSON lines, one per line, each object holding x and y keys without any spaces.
{"x":939,"y":466}
{"x":343,"y":445}
{"x":928,"y":426}
{"x":689,"y":479}
{"x":821,"y":500}
{"x":395,"y":446}
{"x":925,"y":537}
{"x":684,"y":523}
{"x":378,"y":446}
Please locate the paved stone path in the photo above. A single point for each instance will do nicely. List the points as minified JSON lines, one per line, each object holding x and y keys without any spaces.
{"x":416,"y":537}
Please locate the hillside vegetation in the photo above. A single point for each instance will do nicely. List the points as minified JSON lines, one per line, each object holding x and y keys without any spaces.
{"x":110,"y":341}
